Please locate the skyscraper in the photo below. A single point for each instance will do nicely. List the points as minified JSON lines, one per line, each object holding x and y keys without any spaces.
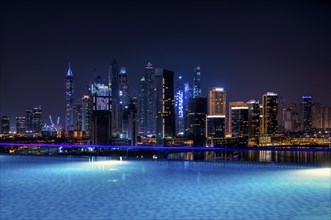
{"x":253,"y":119}
{"x":20,"y":125}
{"x":150,"y":99}
{"x":165,"y":127}
{"x":216,"y":118}
{"x":316,"y":115}
{"x":124,"y":94}
{"x":142,"y":111}
{"x":69,"y":92}
{"x":269,"y":122}
{"x":196,"y":82}
{"x":179,"y":107}
{"x":306,"y":113}
{"x":5,"y":124}
{"x":196,"y":120}
{"x":78,"y":115}
{"x":232,"y":104}
{"x":29,"y":120}
{"x":114,"y":72}
{"x":86,"y":113}
{"x":216,"y":101}
{"x":239,"y":121}
{"x":101,"y":112}
{"x":37,"y":119}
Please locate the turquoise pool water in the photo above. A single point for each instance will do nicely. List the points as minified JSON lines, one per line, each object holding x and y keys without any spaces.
{"x":78,"y":188}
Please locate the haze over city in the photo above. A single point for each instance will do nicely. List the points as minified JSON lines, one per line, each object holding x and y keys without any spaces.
{"x":247,"y":48}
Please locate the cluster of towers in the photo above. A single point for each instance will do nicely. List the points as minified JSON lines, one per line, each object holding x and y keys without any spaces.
{"x":164,"y":109}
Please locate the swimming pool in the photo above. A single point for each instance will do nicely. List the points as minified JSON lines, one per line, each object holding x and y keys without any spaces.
{"x":35,"y":187}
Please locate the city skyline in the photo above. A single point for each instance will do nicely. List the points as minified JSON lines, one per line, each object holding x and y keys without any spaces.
{"x":285,"y":50}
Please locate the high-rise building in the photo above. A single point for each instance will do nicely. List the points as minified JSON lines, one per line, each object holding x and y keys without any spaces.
{"x":316,"y":111}
{"x":29,"y":120}
{"x":239,"y":121}
{"x":187,"y":95}
{"x":269,"y":122}
{"x":233,"y":104}
{"x":130,"y":126}
{"x":86,"y":113}
{"x":101,"y":112}
{"x":114,"y":76}
{"x":196,"y":120}
{"x":142,"y":105}
{"x":253,"y":118}
{"x":78,"y":116}
{"x":37,"y":119}
{"x":326,"y":117}
{"x":216,"y":118}
{"x":150,"y":99}
{"x":5,"y":124}
{"x":69,"y":93}
{"x":179,"y":107}
{"x":20,"y":125}
{"x":166,"y":126}
{"x":216,"y":101}
{"x":306,"y":113}
{"x":124,"y":94}
{"x":196,"y":83}
{"x":215,"y":126}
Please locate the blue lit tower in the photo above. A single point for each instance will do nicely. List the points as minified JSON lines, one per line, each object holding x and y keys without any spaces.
{"x":196,"y":83}
{"x":179,"y":107}
{"x":150,"y":99}
{"x":69,"y":118}
{"x":306,"y":113}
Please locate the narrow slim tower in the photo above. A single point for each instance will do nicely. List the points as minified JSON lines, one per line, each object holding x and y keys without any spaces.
{"x":69,"y":93}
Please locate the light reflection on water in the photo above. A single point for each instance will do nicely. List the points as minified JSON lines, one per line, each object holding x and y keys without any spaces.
{"x":258,"y":156}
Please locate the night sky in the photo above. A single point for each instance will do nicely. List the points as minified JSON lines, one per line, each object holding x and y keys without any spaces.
{"x":246,"y":47}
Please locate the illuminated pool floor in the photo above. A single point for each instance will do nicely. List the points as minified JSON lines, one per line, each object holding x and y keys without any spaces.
{"x":62,"y":188}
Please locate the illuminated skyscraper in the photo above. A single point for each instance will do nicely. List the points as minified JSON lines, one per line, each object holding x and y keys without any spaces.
{"x":216,"y":101}
{"x":233,"y":104}
{"x":101,"y":112}
{"x":196,"y":83}
{"x":20,"y":125}
{"x":86,"y":113}
{"x":165,"y":123}
{"x":29,"y":120}
{"x":124,"y":94}
{"x":78,"y":120}
{"x":5,"y":124}
{"x":69,"y":119}
{"x":239,"y":121}
{"x":306,"y":113}
{"x":179,"y":107}
{"x":196,"y":120}
{"x":269,"y":122}
{"x":142,"y":111}
{"x":37,"y":119}
{"x":216,"y":118}
{"x":150,"y":99}
{"x":254,"y":110}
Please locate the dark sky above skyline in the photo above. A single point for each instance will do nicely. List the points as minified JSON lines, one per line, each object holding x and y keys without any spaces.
{"x":247,"y":47}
